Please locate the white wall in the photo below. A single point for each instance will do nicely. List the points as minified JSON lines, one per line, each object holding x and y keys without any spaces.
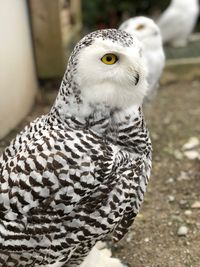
{"x":17,"y":74}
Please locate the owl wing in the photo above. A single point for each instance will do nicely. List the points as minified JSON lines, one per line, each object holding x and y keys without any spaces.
{"x":54,"y":176}
{"x":73,"y":184}
{"x":44,"y":168}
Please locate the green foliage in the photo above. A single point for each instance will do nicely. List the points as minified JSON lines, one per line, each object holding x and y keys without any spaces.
{"x":110,"y":13}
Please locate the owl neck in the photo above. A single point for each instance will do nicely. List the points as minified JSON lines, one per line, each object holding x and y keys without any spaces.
{"x":121,"y":127}
{"x":72,"y":109}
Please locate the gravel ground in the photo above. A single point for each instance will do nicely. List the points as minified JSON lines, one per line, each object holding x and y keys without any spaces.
{"x":166,"y":233}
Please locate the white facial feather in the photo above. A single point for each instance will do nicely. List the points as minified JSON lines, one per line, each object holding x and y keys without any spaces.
{"x":116,"y":85}
{"x":149,"y":34}
{"x":178,"y":21}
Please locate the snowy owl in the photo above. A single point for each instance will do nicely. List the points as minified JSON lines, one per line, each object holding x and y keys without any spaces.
{"x":79,"y":172}
{"x":149,"y":34}
{"x":178,"y":21}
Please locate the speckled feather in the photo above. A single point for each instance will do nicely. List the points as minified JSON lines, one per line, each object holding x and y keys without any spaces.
{"x":67,"y":182}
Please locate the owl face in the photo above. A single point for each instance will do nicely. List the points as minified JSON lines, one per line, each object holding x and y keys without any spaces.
{"x":111,"y":72}
{"x":145,"y":29}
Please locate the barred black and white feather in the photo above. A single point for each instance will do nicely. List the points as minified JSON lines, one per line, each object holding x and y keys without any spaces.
{"x":80,"y":172}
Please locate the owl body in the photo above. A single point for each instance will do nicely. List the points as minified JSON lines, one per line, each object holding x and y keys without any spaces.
{"x":149,"y":34}
{"x":178,"y":21}
{"x":71,"y":177}
{"x":156,"y":63}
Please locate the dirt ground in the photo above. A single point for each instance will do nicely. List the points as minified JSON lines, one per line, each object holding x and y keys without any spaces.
{"x":174,"y":188}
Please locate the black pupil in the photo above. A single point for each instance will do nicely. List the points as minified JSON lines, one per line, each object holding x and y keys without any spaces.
{"x":109,"y":58}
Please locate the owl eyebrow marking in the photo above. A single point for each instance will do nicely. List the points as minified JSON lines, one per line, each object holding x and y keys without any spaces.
{"x":137,"y":78}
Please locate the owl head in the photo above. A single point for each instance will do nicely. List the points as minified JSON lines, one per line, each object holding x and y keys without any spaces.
{"x":105,"y":68}
{"x":146,"y":31}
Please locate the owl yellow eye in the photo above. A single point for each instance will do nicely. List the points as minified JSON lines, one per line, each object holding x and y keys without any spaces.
{"x":140,"y":27}
{"x":109,"y":59}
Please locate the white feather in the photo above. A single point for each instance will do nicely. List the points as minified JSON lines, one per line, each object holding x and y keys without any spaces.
{"x":149,"y":34}
{"x":112,"y":84}
{"x":178,"y":21}
{"x":100,"y":256}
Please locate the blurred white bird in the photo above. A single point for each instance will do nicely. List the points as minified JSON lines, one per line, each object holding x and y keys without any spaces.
{"x":149,"y":34}
{"x":178,"y":21}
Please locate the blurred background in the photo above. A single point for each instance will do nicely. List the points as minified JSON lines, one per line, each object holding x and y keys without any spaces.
{"x":111,"y":13}
{"x":37,"y":37}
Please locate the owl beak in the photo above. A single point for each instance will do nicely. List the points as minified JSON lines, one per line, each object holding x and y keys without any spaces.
{"x":137,"y":78}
